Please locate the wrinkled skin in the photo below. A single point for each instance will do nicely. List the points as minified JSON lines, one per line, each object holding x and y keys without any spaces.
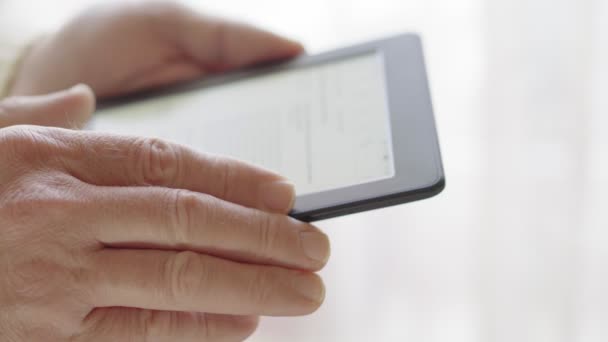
{"x":113,"y":238}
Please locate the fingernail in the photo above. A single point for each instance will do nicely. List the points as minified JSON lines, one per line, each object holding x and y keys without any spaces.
{"x":309,"y":286}
{"x":79,"y":87}
{"x":278,"y":196}
{"x":297,"y":45}
{"x":296,"y":48}
{"x":315,"y":245}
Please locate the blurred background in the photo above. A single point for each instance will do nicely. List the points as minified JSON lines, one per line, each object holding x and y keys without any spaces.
{"x":516,"y":248}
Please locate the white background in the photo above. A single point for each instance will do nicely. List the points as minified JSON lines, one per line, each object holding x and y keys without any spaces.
{"x":516,"y":249}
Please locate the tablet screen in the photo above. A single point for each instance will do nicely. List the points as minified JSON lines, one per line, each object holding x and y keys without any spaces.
{"x":324,"y":126}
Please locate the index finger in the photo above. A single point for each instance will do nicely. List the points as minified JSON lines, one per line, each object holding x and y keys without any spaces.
{"x":114,"y":160}
{"x":224,"y":44}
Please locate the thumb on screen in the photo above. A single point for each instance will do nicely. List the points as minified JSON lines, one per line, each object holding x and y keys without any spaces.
{"x":70,"y":108}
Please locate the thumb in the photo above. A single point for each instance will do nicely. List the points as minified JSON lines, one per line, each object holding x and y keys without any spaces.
{"x":70,"y":108}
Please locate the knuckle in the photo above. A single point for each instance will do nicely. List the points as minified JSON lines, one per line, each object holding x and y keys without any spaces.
{"x":147,"y":326}
{"x":207,"y":325}
{"x":269,"y":235}
{"x":186,"y":205}
{"x":158,"y":323}
{"x":228,"y":171}
{"x":159,"y":162}
{"x":186,"y":275}
{"x":261,"y":287}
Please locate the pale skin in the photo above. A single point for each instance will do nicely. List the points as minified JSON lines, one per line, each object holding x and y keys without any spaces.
{"x":115,"y":238}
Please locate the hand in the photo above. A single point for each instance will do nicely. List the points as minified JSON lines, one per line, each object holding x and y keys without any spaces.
{"x":119,"y":49}
{"x":111,"y":238}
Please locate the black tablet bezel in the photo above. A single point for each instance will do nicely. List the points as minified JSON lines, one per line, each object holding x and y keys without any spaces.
{"x":417,"y":158}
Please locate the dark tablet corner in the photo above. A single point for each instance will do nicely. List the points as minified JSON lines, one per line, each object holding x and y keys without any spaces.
{"x":419,"y":170}
{"x":370,"y":204}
